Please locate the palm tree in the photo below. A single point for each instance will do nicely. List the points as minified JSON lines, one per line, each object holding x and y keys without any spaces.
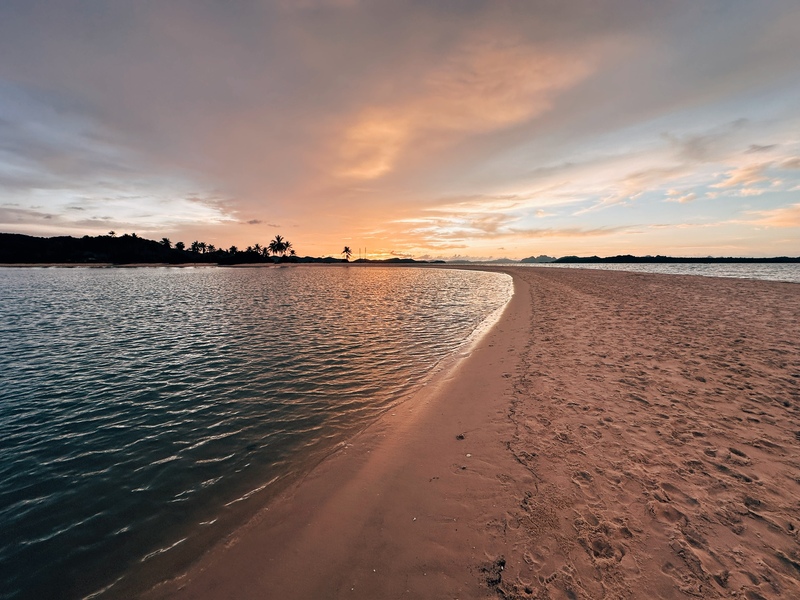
{"x":202,"y":246}
{"x":166,"y":243}
{"x":287,"y":247}
{"x":212,"y":248}
{"x":257,"y":248}
{"x":195,"y":246}
{"x":347,"y":253}
{"x":112,"y":233}
{"x":233,"y":250}
{"x":277,"y":245}
{"x":180,"y":245}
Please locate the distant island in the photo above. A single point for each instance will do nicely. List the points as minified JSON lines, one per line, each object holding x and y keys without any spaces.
{"x":131,"y":249}
{"x":628,"y":258}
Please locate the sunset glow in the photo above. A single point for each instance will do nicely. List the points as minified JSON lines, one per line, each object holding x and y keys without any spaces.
{"x":429,"y":130}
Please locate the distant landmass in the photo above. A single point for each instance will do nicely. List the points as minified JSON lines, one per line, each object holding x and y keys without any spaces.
{"x":132,"y":249}
{"x":628,"y":258}
{"x":494,"y":261}
{"x":542,"y":258}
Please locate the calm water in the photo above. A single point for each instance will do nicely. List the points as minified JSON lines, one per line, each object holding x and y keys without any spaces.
{"x":146,"y":412}
{"x":769,"y":272}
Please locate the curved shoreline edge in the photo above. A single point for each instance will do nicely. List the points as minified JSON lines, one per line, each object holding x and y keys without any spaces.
{"x":614,"y":434}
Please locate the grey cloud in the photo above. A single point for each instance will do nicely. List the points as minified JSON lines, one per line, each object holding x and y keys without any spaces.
{"x":706,"y":146}
{"x":13,"y":215}
{"x":757,"y":148}
{"x":791,"y":163}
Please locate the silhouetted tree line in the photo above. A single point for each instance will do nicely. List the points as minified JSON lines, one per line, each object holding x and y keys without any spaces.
{"x":130,"y":248}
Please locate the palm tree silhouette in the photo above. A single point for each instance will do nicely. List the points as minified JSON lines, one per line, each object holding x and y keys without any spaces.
{"x":347,"y":253}
{"x":277,"y":245}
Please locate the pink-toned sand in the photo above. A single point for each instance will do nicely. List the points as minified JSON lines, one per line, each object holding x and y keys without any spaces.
{"x":615,"y":435}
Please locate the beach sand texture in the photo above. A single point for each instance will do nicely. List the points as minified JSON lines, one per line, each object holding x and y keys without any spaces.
{"x":615,"y":435}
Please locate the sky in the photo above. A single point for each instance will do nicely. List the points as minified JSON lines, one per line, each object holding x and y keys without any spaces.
{"x":426,"y":129}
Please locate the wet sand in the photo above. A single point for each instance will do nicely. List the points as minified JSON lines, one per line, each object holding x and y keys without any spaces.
{"x":615,"y":435}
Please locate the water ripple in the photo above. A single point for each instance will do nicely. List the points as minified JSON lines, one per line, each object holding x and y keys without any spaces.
{"x":138,"y":403}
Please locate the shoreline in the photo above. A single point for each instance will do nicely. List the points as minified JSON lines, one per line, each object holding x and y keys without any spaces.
{"x":614,"y":434}
{"x":783,"y":272}
{"x":330,"y":502}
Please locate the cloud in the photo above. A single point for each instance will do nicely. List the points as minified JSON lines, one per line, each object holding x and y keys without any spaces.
{"x":10,"y":215}
{"x":758,"y":148}
{"x":785,"y":216}
{"x":791,"y":163}
{"x":478,"y":203}
{"x":706,"y":146}
{"x":745,"y":176}
{"x":633,"y":185}
{"x":432,"y":232}
{"x":675,"y":196}
{"x":480,"y":87}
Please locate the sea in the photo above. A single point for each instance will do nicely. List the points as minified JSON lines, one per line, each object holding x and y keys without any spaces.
{"x":789,"y":272}
{"x":145,"y":413}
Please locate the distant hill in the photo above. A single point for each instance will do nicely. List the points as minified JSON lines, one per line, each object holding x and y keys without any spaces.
{"x":542,"y":258}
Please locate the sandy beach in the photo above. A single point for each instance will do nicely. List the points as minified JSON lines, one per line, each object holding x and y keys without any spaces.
{"x":614,"y":435}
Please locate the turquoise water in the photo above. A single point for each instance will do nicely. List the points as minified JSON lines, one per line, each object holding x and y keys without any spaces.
{"x":144,"y":413}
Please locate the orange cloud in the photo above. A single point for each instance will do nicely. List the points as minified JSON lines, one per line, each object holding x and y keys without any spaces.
{"x":371,"y":146}
{"x":675,"y":196}
{"x":785,"y":216}
{"x":744,"y":176}
{"x":482,"y":87}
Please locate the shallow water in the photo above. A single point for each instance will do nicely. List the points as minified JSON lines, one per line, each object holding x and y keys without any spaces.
{"x":789,"y":272}
{"x":146,"y":412}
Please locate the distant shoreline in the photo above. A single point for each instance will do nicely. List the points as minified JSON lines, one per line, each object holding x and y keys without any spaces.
{"x":131,"y":250}
{"x":186,"y":265}
{"x":665,"y":260}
